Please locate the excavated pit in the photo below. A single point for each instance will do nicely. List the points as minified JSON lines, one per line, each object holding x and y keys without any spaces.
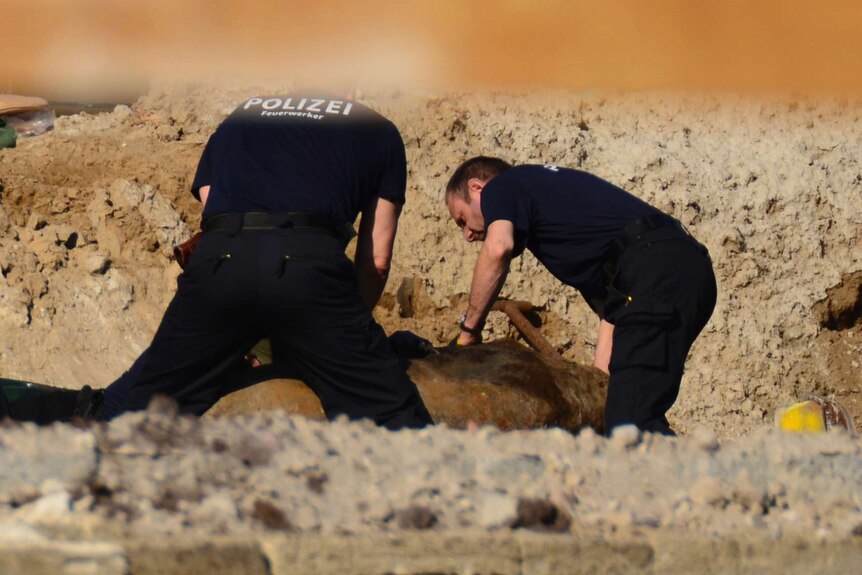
{"x":89,"y":214}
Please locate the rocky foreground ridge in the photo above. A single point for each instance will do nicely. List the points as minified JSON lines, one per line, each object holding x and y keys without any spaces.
{"x":153,"y":476}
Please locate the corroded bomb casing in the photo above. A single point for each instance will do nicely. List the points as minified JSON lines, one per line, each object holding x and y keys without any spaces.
{"x":501,"y":383}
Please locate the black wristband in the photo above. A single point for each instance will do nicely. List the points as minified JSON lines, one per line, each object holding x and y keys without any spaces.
{"x":475,"y":331}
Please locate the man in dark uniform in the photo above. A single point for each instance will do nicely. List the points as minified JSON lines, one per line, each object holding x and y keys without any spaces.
{"x":280,"y":181}
{"x":651,"y":283}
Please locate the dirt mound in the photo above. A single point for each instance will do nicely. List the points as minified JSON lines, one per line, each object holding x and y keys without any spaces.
{"x":89,"y":213}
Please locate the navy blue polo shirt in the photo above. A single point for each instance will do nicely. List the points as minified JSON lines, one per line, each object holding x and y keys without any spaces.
{"x":302,"y":154}
{"x":567,"y":218}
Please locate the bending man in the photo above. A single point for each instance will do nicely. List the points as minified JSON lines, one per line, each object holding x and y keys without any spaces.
{"x":649,"y":281}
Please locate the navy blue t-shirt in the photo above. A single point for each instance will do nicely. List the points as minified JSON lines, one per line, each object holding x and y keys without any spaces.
{"x":302,"y":154}
{"x":567,"y":218}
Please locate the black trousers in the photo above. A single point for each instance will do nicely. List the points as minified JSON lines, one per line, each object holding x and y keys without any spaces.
{"x":296,"y":287}
{"x":670,"y":280}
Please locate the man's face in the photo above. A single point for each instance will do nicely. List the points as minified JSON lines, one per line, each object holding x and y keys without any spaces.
{"x":468,"y":216}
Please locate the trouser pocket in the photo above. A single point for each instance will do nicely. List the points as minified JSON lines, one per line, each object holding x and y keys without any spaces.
{"x":641,"y":335}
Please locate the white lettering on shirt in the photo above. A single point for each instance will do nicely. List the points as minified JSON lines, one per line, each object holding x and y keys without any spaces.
{"x":292,"y":113}
{"x":551,"y":167}
{"x":315,"y":105}
{"x":252,"y":102}
{"x":332,"y":107}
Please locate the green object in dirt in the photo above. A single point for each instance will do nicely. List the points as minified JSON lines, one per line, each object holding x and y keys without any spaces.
{"x":8,"y":137}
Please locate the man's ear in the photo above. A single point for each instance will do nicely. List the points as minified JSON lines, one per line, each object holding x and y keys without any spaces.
{"x":475,"y":185}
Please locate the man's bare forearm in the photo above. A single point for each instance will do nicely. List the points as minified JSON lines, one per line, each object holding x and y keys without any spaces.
{"x":374,"y":248}
{"x":204,"y":193}
{"x":488,"y":279}
{"x":490,"y":273}
{"x":604,"y":346}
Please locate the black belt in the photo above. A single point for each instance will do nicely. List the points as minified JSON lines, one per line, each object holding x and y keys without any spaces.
{"x":233,"y":222}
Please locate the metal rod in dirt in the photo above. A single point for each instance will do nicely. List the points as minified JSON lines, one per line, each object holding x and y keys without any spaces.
{"x":534,"y":337}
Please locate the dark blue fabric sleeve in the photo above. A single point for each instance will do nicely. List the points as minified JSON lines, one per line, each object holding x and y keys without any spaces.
{"x":393,"y":182}
{"x":502,"y":199}
{"x":204,"y":173}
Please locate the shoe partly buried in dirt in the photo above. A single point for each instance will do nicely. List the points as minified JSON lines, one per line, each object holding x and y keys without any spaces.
{"x":814,"y":416}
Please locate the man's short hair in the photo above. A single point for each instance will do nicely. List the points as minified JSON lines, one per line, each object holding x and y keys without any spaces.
{"x":481,"y":167}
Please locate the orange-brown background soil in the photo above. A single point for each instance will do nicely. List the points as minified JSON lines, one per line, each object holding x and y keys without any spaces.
{"x":101,"y":49}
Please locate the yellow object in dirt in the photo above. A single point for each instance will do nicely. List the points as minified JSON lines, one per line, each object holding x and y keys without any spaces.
{"x":805,"y":416}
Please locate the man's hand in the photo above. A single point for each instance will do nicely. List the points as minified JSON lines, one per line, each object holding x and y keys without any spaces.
{"x":467,"y":336}
{"x":465,"y":339}
{"x":411,"y":346}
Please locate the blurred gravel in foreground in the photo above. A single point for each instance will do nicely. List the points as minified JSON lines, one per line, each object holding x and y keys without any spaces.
{"x":157,"y":474}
